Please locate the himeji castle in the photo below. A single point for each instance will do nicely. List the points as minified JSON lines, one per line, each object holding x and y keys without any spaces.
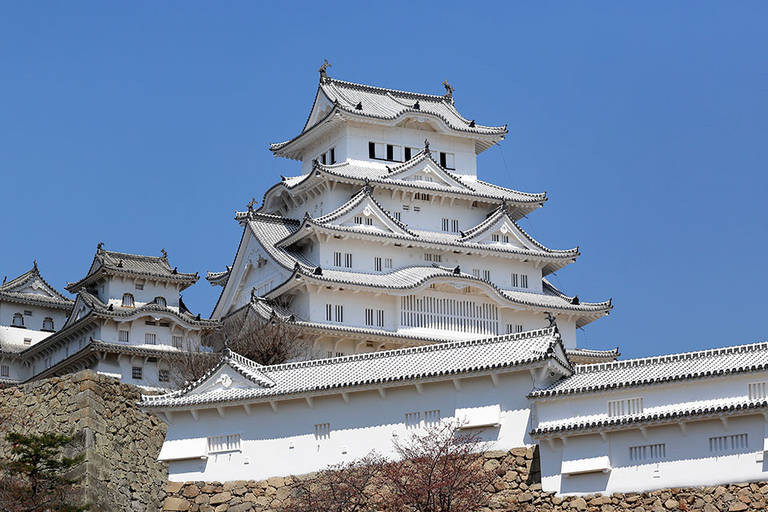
{"x":427,"y":302}
{"x":389,"y":239}
{"x":127,"y":317}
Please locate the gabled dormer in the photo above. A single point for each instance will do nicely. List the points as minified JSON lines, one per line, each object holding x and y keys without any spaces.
{"x":30,"y":288}
{"x":425,"y":170}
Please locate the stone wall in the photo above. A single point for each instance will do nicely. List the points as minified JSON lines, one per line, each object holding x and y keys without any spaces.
{"x":121,"y":443}
{"x":516,"y":488}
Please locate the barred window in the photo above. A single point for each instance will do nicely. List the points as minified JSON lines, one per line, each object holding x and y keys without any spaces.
{"x":48,"y":324}
{"x":122,"y":336}
{"x":731,"y":443}
{"x":756,"y":390}
{"x":177,"y":341}
{"x":150,"y":338}
{"x":163,"y":376}
{"x":224,"y":443}
{"x":432,"y":417}
{"x":137,"y":372}
{"x":648,"y":452}
{"x":322,"y":430}
{"x":4,"y":370}
{"x":625,"y":407}
{"x":412,"y":419}
{"x":128,"y":300}
{"x":18,"y":320}
{"x":339,"y":313}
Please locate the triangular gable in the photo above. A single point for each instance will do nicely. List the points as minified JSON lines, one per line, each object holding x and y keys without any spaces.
{"x":233,"y":374}
{"x":363,"y":212}
{"x":320,"y":108}
{"x":79,"y":310}
{"x":32,"y":283}
{"x":499,"y":229}
{"x":422,"y":168}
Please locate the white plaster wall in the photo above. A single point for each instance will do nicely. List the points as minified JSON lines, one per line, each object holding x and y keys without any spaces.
{"x":34,"y":321}
{"x":111,"y":291}
{"x":688,"y":460}
{"x":283,"y":443}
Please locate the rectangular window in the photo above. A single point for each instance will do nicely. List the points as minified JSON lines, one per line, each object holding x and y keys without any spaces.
{"x":332,"y":155}
{"x":387,"y":262}
{"x":163,"y":376}
{"x":421,"y":196}
{"x":398,"y":217}
{"x":505,"y":239}
{"x":432,"y":417}
{"x":434,"y":257}
{"x":448,"y":160}
{"x":495,"y":237}
{"x":177,"y":341}
{"x":446,"y":223}
{"x":27,"y":341}
{"x":469,"y":315}
{"x":724,"y":444}
{"x":339,"y":354}
{"x":408,"y":153}
{"x":368,"y":316}
{"x":417,"y":208}
{"x":515,"y":280}
{"x":487,"y":275}
{"x":412,"y":419}
{"x":139,"y":286}
{"x":339,"y":313}
{"x":5,"y":370}
{"x":322,"y":159}
{"x":406,"y":207}
{"x":329,"y":353}
{"x":377,"y":263}
{"x":625,"y":407}
{"x":648,"y":452}
{"x":757,"y":390}
{"x":137,"y":372}
{"x":455,"y":225}
{"x":225,"y":443}
{"x":379,"y":318}
{"x":348,"y":260}
{"x":328,"y":311}
{"x":322,"y":430}
{"x":369,"y":221}
{"x":336,"y":259}
{"x":523,"y":281}
{"x":518,"y":327}
{"x":476,"y":273}
{"x":358,"y":219}
{"x":150,"y":338}
{"x":122,"y":336}
{"x":27,"y":312}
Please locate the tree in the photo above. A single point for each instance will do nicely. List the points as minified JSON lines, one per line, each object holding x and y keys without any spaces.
{"x":347,"y":487}
{"x":265,"y":341}
{"x":36,"y":479}
{"x":440,"y":470}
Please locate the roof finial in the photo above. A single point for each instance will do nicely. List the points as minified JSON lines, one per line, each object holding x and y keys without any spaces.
{"x":323,"y":69}
{"x":99,"y":246}
{"x":164,"y":253}
{"x":34,"y":264}
{"x":448,"y":89}
{"x":426,"y":147}
{"x":251,"y":203}
{"x":5,"y":278}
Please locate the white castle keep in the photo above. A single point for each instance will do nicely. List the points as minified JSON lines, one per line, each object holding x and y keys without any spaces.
{"x":432,"y":304}
{"x":388,"y":238}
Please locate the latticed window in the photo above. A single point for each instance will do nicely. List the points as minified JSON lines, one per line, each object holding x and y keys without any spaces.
{"x":432,"y":417}
{"x":48,"y":324}
{"x":757,"y":390}
{"x":625,"y":407}
{"x":731,"y":443}
{"x":18,"y":320}
{"x":163,"y":376}
{"x":224,"y":443}
{"x":122,"y":336}
{"x":160,"y":301}
{"x":449,"y":314}
{"x":648,"y":452}
{"x":4,"y":370}
{"x":150,"y":338}
{"x":412,"y":419}
{"x":137,"y":372}
{"x":128,"y":300}
{"x":322,"y":430}
{"x":177,"y":341}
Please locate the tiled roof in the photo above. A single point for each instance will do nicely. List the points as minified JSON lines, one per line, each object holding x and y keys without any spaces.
{"x":16,"y":290}
{"x":661,"y":415}
{"x":360,"y":101}
{"x":585,"y":356}
{"x":219,"y":278}
{"x":667,"y":368}
{"x":111,"y":311}
{"x":360,"y":172}
{"x":381,"y":368}
{"x":121,"y":263}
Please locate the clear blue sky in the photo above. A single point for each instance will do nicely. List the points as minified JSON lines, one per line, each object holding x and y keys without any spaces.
{"x":146,"y":124}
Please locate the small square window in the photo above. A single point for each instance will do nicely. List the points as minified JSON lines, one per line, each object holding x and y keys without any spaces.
{"x":122,"y":336}
{"x":27,"y":312}
{"x":322,"y":430}
{"x":177,"y":341}
{"x":139,"y":286}
{"x":137,"y":372}
{"x":150,"y":338}
{"x":4,"y":370}
{"x":163,"y":376}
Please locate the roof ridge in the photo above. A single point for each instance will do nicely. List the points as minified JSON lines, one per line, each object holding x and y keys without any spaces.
{"x":384,"y":90}
{"x":432,"y":347}
{"x":543,"y":195}
{"x":131,"y":255}
{"x":665,"y":358}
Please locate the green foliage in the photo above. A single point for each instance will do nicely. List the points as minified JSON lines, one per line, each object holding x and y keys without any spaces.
{"x":36,"y":478}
